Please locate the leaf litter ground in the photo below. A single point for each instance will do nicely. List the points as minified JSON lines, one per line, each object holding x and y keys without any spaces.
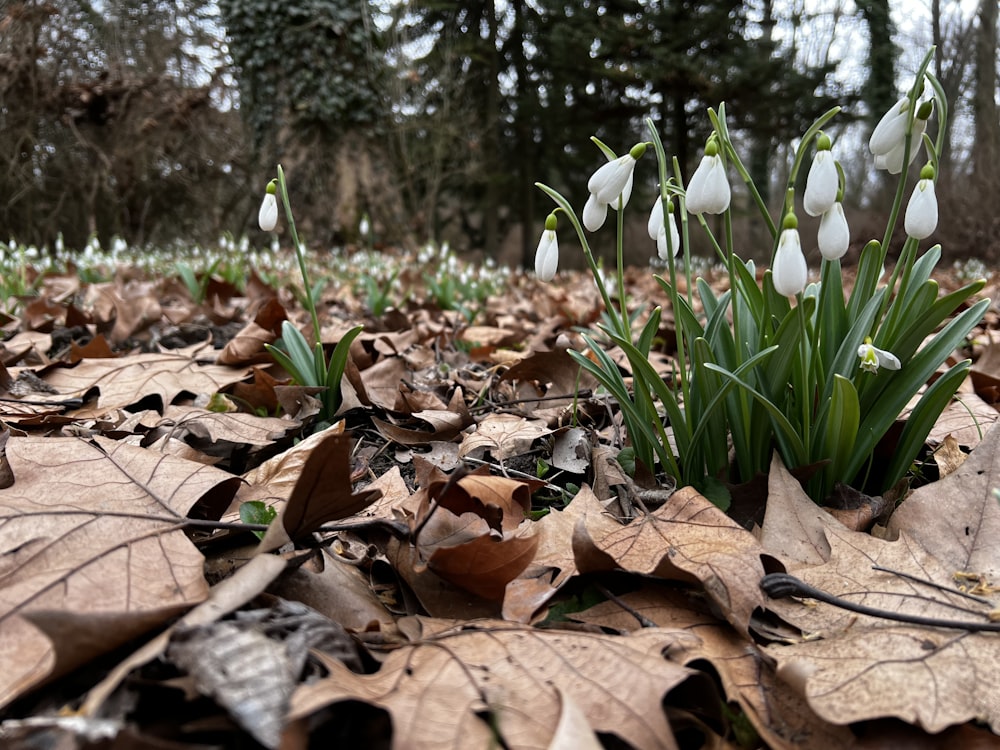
{"x":459,"y":561}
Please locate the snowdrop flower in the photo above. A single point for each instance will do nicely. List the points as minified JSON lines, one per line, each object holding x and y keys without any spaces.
{"x":594,"y":213}
{"x":547,"y":254}
{"x":708,"y":189}
{"x":364,"y":226}
{"x":891,"y":144}
{"x":267,"y":217}
{"x":609,"y":184}
{"x":822,"y":181}
{"x":834,"y":236}
{"x":658,"y":227}
{"x":873,"y":358}
{"x":789,"y":271}
{"x":921,"y":216}
{"x":891,"y":129}
{"x":610,"y":180}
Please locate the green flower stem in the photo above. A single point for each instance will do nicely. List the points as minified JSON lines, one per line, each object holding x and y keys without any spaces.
{"x":805,"y":393}
{"x":661,"y":165}
{"x":299,"y":254}
{"x":626,"y":323}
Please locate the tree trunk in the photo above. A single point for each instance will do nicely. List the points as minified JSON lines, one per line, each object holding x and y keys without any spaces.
{"x":987,"y":146}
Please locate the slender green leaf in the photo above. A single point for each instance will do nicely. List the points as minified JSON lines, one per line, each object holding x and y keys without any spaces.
{"x":921,"y":420}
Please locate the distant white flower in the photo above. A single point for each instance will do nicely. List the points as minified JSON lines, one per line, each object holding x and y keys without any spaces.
{"x":708,"y":189}
{"x":834,"y":236}
{"x":547,"y":254}
{"x":822,"y":183}
{"x":594,"y":213}
{"x":267,"y":217}
{"x":789,"y":272}
{"x":657,"y":228}
{"x":873,"y":358}
{"x":364,"y":226}
{"x":921,"y":216}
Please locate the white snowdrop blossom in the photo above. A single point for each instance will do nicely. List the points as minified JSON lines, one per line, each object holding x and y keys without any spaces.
{"x":892,"y":160}
{"x":822,"y":181}
{"x":267,"y":217}
{"x":594,"y":213}
{"x":888,"y":140}
{"x":921,"y":216}
{"x":834,"y":236}
{"x":547,"y":254}
{"x":609,"y":181}
{"x":364,"y":226}
{"x":708,"y":190}
{"x":891,"y":129}
{"x":658,"y":228}
{"x":872,"y":358}
{"x":789,"y":272}
{"x":614,"y":179}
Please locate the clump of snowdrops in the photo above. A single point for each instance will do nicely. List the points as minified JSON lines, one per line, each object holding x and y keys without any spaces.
{"x":812,"y":370}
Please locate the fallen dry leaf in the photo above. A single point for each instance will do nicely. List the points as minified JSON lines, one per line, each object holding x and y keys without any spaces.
{"x":91,"y":533}
{"x":436,"y":690}
{"x":125,"y":381}
{"x":554,"y":562}
{"x":957,"y":519}
{"x":687,"y":539}
{"x":322,"y":492}
{"x":779,"y":714}
{"x":504,"y":435}
{"x":863,"y":667}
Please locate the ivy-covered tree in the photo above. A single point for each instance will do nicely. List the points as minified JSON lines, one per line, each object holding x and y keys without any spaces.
{"x":311,"y":84}
{"x":880,"y":91}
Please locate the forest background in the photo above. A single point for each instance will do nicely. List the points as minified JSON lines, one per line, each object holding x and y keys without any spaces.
{"x":160,"y":122}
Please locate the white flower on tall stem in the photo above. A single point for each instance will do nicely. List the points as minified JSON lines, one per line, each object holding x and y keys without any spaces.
{"x":658,"y":227}
{"x":789,"y":273}
{"x":609,"y":184}
{"x":872,"y":358}
{"x":890,"y":129}
{"x":921,"y":216}
{"x":889,"y":145}
{"x":267,"y":217}
{"x":822,"y":182}
{"x":708,"y":189}
{"x":834,"y":236}
{"x":547,"y":254}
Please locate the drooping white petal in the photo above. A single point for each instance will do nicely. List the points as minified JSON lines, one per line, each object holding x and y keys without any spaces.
{"x":267,"y":217}
{"x":890,"y":129}
{"x":655,"y":222}
{"x":821,"y":184}
{"x":708,"y":190}
{"x":547,"y":256}
{"x":662,"y":248}
{"x":921,"y":216}
{"x":626,"y":193}
{"x":834,"y":236}
{"x":610,"y":179}
{"x":790,"y":272}
{"x":594,"y":213}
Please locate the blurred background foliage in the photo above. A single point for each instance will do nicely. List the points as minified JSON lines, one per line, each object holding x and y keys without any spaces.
{"x":157,"y":120}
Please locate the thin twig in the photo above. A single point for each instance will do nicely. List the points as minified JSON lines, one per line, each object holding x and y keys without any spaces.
{"x":782,"y":585}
